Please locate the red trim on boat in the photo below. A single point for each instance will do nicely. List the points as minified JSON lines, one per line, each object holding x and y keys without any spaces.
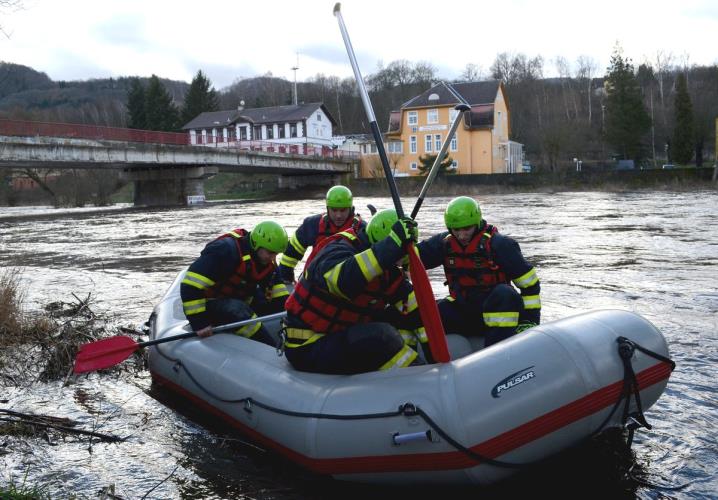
{"x":492,"y":448}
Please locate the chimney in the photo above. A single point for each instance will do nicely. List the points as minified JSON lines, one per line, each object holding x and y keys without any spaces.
{"x":241,"y":105}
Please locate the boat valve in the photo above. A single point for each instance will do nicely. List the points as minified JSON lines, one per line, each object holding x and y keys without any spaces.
{"x":411,"y":436}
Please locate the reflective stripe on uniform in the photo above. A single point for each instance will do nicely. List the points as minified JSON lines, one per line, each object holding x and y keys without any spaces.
{"x":197,"y":280}
{"x":503,"y":319}
{"x":368,"y":264}
{"x":408,"y":336}
{"x":296,"y":245}
{"x":332,"y":279}
{"x":421,"y":335}
{"x":288,"y":261}
{"x":408,"y":305}
{"x":532,"y":302}
{"x":249,"y":330}
{"x":279,"y":291}
{"x":527,"y":280}
{"x":308,"y":336}
{"x":191,"y":307}
{"x":401,"y":359}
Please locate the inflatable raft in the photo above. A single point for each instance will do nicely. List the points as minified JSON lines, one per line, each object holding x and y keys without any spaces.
{"x":476,"y":419}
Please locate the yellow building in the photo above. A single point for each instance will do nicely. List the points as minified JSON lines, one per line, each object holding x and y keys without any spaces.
{"x":481,"y":144}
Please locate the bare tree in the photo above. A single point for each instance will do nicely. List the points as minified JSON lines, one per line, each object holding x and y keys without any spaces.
{"x":472,"y":73}
{"x":662,"y":68}
{"x":586,"y":66}
{"x":7,"y":6}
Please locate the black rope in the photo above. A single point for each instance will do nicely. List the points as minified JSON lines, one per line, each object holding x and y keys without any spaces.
{"x":626,"y":349}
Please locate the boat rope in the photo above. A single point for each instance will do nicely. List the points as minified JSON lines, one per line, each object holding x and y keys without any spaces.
{"x":634,"y":420}
{"x":626,"y":349}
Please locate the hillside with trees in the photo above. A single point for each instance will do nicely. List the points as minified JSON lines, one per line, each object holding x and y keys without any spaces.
{"x":586,"y":112}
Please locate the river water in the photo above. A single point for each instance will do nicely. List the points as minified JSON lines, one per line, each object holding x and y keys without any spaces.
{"x":655,"y":253}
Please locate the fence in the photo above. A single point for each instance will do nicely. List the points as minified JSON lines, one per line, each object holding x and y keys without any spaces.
{"x":96,"y":132}
{"x":78,"y":131}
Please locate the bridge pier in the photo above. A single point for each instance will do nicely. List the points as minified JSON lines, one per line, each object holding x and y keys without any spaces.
{"x":167,"y":186}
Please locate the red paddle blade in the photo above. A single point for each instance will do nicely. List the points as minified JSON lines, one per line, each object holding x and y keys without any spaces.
{"x":427,"y":308}
{"x":104,"y":353}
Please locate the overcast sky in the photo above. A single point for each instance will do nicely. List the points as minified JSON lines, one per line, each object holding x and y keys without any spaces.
{"x":83,"y":39}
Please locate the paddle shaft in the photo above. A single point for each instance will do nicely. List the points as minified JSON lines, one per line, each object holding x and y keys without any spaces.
{"x":461,"y":108}
{"x":422,"y":287}
{"x":370,"y":114}
{"x":229,"y":326}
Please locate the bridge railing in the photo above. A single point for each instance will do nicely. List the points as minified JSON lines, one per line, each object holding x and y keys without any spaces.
{"x":303,"y":149}
{"x":96,"y":132}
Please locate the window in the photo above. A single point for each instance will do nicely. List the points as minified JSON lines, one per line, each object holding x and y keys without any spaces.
{"x":454,"y":145}
{"x":413,"y":165}
{"x":455,"y":165}
{"x":394,"y":147}
{"x":437,"y":141}
{"x":293,"y":130}
{"x":432,"y":116}
{"x":257,"y":133}
{"x":319,"y":117}
{"x":412,"y":144}
{"x":243,"y":133}
{"x":427,"y":143}
{"x":452,"y":115}
{"x":270,"y":131}
{"x":281,"y":131}
{"x":413,"y":117}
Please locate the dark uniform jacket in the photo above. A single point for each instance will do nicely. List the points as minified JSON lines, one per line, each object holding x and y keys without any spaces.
{"x":506,"y":254}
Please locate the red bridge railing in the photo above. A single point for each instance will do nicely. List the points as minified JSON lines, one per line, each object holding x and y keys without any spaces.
{"x":78,"y":131}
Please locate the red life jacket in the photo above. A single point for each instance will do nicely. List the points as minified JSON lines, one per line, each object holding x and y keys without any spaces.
{"x":243,"y":281}
{"x":471,"y":267}
{"x":327,"y":228}
{"x":327,"y":313}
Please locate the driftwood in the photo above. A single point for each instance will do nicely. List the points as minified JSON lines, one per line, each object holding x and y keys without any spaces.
{"x":58,"y":423}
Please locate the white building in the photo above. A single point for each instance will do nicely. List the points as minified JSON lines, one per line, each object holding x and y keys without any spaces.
{"x":301,"y":124}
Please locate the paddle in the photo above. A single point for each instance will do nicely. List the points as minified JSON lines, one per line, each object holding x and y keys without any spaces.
{"x":422,"y":287}
{"x":461,"y":108}
{"x":114,"y":350}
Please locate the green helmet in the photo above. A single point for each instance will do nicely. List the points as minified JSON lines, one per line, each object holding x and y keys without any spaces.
{"x":339,"y":197}
{"x":462,"y":212}
{"x":379,"y":226}
{"x":269,"y":235}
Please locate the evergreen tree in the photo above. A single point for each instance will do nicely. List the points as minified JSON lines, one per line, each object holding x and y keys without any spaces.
{"x":683,"y":136}
{"x":200,"y":97}
{"x":160,"y":112}
{"x":427,"y":161}
{"x":627,"y":120}
{"x":136,"y":105}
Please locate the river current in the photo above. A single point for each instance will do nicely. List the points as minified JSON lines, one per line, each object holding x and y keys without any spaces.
{"x":654,"y":253}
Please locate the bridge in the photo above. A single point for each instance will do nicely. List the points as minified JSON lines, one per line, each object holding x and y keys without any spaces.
{"x":165,"y":169}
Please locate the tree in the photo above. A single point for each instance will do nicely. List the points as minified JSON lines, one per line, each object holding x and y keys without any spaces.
{"x":200,"y":97}
{"x":427,"y":161}
{"x":683,"y":136}
{"x":136,"y":105}
{"x":627,"y":119}
{"x":160,"y":112}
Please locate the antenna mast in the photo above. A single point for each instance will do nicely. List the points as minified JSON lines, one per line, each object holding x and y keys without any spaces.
{"x":295,"y":68}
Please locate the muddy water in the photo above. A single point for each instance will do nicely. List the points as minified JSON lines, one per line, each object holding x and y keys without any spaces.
{"x":655,"y":253}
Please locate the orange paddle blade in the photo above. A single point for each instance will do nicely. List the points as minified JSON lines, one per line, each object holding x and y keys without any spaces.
{"x":104,"y":353}
{"x":427,"y":308}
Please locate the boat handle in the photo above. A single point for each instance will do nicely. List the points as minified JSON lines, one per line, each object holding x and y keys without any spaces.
{"x":411,"y":436}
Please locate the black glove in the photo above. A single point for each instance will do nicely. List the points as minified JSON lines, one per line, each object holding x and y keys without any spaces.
{"x":286,"y":273}
{"x":404,"y":231}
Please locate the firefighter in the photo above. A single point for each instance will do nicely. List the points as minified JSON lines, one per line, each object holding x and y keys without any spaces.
{"x":235,"y":279}
{"x":338,"y":217}
{"x":480,"y":263}
{"x":336,"y":315}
